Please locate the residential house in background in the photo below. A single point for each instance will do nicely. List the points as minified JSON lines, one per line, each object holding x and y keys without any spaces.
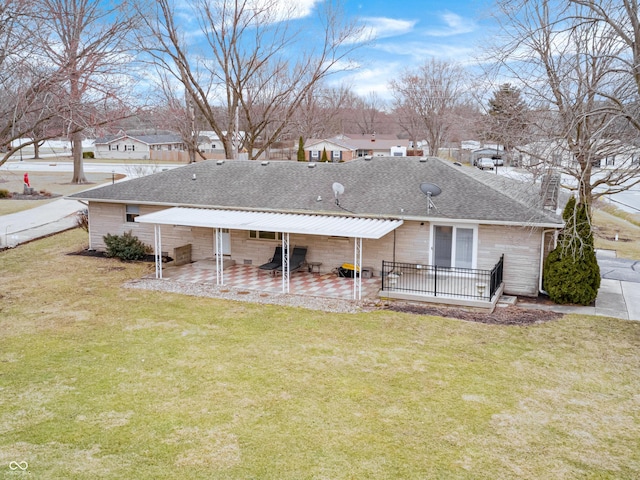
{"x":346,"y":147}
{"x":139,"y":147}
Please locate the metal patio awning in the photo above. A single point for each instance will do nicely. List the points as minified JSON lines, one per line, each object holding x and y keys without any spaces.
{"x":273,"y":222}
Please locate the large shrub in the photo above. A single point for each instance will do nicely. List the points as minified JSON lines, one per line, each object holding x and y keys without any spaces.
{"x":125,"y":247}
{"x":571,"y":271}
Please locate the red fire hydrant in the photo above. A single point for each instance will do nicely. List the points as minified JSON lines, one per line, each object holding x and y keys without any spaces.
{"x":26,"y":179}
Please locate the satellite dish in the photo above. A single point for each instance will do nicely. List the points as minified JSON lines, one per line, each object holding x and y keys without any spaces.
{"x":338,"y":189}
{"x":430,"y":189}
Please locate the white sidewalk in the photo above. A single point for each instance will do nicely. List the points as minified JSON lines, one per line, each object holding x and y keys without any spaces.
{"x":37,"y":222}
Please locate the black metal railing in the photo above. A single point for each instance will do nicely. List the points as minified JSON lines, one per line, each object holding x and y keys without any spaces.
{"x":442,"y":281}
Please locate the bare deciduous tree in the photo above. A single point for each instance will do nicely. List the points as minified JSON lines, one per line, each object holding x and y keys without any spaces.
{"x":244,"y":61}
{"x":570,"y":67}
{"x":85,"y":42}
{"x":432,"y":94}
{"x":177,"y":112}
{"x":26,"y":87}
{"x":622,"y":21}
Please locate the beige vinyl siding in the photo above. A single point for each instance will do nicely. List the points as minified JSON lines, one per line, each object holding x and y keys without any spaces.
{"x":520,"y":245}
{"x":521,"y":248}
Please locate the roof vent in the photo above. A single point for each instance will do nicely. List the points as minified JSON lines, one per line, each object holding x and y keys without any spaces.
{"x":220,"y":162}
{"x":265,"y":163}
{"x":312,"y":165}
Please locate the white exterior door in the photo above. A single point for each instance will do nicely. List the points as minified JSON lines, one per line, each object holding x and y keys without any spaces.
{"x":226,"y":242}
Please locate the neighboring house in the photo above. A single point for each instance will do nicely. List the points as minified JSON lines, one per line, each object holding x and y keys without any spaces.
{"x":141,"y":147}
{"x":343,"y":148}
{"x":444,"y":247}
{"x":619,"y":155}
{"x":609,"y":154}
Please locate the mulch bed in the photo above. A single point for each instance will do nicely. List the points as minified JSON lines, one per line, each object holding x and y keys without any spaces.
{"x":511,"y":315}
{"x":96,"y":254}
{"x":35,"y":196}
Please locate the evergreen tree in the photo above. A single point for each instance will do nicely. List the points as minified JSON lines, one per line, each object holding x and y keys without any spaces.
{"x":571,"y":271}
{"x":301,"y":155}
{"x":324,"y":158}
{"x":508,"y":120}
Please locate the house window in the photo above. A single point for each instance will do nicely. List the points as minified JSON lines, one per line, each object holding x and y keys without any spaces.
{"x":265,"y":235}
{"x":315,"y":154}
{"x":453,"y":246}
{"x":113,"y":147}
{"x":129,"y":148}
{"x":132,"y":211}
{"x":336,"y":154}
{"x":611,"y":161}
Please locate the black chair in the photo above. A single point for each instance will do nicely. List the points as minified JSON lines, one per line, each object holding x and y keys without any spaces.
{"x":274,"y":262}
{"x":297,"y":261}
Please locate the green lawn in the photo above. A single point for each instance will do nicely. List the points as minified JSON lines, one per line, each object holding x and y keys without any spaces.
{"x":99,"y":381}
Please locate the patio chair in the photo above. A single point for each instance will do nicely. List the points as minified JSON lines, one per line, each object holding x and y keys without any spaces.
{"x":274,"y":262}
{"x":297,"y":261}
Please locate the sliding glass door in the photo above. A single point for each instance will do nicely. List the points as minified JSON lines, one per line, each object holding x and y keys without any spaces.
{"x":453,"y":246}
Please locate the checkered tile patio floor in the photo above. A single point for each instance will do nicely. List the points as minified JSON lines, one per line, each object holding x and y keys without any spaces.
{"x":251,"y":278}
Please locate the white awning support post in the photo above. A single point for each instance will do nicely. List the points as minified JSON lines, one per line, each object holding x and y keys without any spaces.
{"x":157,"y":250}
{"x":219,"y":257}
{"x":285,"y":262}
{"x":357,"y":268}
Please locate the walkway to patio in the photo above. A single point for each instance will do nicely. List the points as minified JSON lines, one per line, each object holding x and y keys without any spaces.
{"x":251,"y":278}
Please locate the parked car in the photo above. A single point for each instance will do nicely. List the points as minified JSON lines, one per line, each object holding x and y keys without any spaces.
{"x":485,"y":163}
{"x":497,"y":161}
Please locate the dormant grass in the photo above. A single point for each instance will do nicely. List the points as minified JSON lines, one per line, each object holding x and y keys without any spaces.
{"x":100,"y":381}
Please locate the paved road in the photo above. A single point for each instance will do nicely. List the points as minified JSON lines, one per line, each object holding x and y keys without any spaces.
{"x":619,"y":268}
{"x":130,"y":169}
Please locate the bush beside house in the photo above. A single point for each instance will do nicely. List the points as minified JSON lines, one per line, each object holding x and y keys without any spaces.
{"x":126,"y":247}
{"x":572,"y":274}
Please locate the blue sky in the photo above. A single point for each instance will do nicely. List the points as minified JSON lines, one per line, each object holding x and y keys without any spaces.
{"x":407,"y":32}
{"x":410,"y":32}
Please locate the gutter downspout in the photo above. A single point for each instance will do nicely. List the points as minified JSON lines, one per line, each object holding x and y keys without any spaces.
{"x":555,"y":244}
{"x":86,"y":204}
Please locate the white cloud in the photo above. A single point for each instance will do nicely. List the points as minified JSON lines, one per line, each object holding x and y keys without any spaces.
{"x":284,"y":9}
{"x":382,"y":27}
{"x":454,"y":24}
{"x":420,"y":50}
{"x":372,"y":79}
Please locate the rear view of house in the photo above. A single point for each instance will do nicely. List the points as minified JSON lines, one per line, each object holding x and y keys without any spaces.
{"x":478,"y":236}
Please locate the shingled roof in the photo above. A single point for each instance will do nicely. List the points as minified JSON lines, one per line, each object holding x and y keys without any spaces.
{"x":148,"y":139}
{"x":383,"y":187}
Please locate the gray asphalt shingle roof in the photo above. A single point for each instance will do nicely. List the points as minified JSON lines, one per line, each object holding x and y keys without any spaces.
{"x":381,"y":187}
{"x":148,"y":139}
